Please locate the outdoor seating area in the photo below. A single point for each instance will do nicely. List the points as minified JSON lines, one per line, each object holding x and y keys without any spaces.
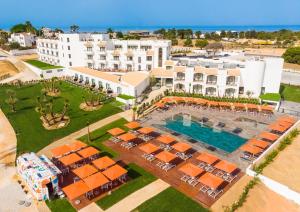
{"x":253,"y":109}
{"x":256,"y":146}
{"x":85,"y":175}
{"x":202,"y":175}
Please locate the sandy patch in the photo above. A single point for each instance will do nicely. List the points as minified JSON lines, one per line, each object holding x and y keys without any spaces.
{"x":7,"y":68}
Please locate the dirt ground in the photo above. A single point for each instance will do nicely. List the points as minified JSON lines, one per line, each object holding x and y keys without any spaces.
{"x":262,"y":199}
{"x":7,"y":67}
{"x":27,"y":57}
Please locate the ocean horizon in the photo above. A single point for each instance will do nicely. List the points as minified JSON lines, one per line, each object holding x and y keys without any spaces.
{"x":212,"y":28}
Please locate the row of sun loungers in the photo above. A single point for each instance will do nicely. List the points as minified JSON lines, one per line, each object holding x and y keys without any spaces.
{"x":149,"y":157}
{"x":190,"y":180}
{"x":183,"y":156}
{"x":128,"y":145}
{"x":165,"y":166}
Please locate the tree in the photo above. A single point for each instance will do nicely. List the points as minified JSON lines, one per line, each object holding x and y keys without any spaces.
{"x":223,"y":34}
{"x":198,"y":34}
{"x":174,"y":42}
{"x":26,"y":27}
{"x":292,"y":55}
{"x":12,"y":99}
{"x":188,"y":42}
{"x":119,"y":35}
{"x":110,"y":30}
{"x":65,"y":109}
{"x":214,"y":47}
{"x":201,"y":43}
{"x":134,"y":112}
{"x":74,"y":28}
{"x":14,"y":45}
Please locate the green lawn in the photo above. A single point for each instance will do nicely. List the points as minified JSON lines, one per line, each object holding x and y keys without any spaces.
{"x":59,"y":205}
{"x":98,"y":136}
{"x":26,"y":121}
{"x":126,"y":97}
{"x":271,"y":97}
{"x":290,"y":92}
{"x":170,"y":200}
{"x":42,"y":65}
{"x":140,"y":178}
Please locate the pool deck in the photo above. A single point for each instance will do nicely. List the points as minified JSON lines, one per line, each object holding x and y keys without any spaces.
{"x":251,"y":124}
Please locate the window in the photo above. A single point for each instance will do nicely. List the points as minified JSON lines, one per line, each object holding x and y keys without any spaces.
{"x":116,"y":57}
{"x":119,"y":90}
{"x":139,"y":59}
{"x":90,"y":57}
{"x":68,"y":40}
{"x":56,"y":54}
{"x":149,"y":58}
{"x":117,"y":47}
{"x":149,"y":67}
{"x":116,"y":66}
{"x":102,"y":49}
{"x":263,"y":90}
{"x":107,"y":86}
{"x":129,"y":58}
{"x":70,"y":63}
{"x":102,"y":66}
{"x":168,"y":67}
{"x":69,"y":48}
{"x":102,"y":57}
{"x":160,"y":54}
{"x":89,"y":49}
{"x":90,"y":65}
{"x":132,"y":47}
{"x":145,"y":48}
{"x":241,"y":90}
{"x":51,"y":45}
{"x":69,"y":56}
{"x":139,"y":68}
{"x":129,"y":67}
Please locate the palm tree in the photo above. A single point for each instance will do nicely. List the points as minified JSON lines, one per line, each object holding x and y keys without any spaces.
{"x":43,"y":113}
{"x":53,"y":80}
{"x":12,"y":100}
{"x":74,"y":28}
{"x":134,"y":109}
{"x":50,"y":108}
{"x":65,"y":109}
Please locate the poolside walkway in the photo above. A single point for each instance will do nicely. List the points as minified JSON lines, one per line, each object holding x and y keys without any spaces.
{"x":137,"y":198}
{"x":75,"y":135}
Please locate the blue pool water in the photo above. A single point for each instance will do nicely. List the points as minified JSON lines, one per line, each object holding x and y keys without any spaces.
{"x":220,"y":139}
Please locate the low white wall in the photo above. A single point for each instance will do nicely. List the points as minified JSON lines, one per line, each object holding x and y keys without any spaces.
{"x":47,"y":74}
{"x":126,"y":101}
{"x":17,"y":52}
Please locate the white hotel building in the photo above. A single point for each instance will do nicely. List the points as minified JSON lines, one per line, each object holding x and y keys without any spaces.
{"x":97,"y":51}
{"x":24,"y":39}
{"x":243,"y":76}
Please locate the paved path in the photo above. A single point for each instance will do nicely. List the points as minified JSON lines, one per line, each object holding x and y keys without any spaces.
{"x":8,"y":141}
{"x":93,"y":207}
{"x":137,"y":198}
{"x":290,"y":78}
{"x":70,"y":138}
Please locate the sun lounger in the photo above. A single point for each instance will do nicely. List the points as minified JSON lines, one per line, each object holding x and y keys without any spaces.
{"x":204,"y":188}
{"x":168,"y":167}
{"x":229,"y":178}
{"x":209,"y":168}
{"x":214,"y":193}
{"x":220,"y":174}
{"x":201,"y":165}
{"x":185,"y":178}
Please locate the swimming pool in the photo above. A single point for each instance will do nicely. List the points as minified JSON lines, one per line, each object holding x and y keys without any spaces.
{"x":220,"y":139}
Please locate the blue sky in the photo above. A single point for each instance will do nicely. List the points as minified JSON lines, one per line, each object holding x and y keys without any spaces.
{"x":85,"y":13}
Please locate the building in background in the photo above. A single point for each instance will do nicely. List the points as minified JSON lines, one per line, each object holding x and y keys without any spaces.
{"x":24,"y":39}
{"x":98,"y":51}
{"x":40,"y":175}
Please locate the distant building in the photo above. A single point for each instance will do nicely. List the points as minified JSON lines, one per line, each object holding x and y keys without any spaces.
{"x":141,"y":33}
{"x":40,"y":175}
{"x":24,"y":39}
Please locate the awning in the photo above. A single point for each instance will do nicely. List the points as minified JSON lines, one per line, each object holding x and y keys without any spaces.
{"x":207,"y":158}
{"x":88,"y":152}
{"x":85,"y":171}
{"x":114,"y":172}
{"x":159,"y":104}
{"x":149,"y":148}
{"x":76,"y":189}
{"x":259,"y":143}
{"x":103,"y":163}
{"x":70,"y":159}
{"x":266,"y":108}
{"x":211,"y":180}
{"x":127,"y":137}
{"x":191,"y":170}
{"x":115,"y":131}
{"x":254,"y":150}
{"x":146,"y":130}
{"x":278,"y":128}
{"x":132,"y":125}
{"x":226,"y":166}
{"x":268,"y":136}
{"x":165,"y":156}
{"x":287,"y":119}
{"x":60,"y":150}
{"x":182,"y":147}
{"x":77,"y":145}
{"x":96,"y":180}
{"x":165,"y":139}
{"x":252,"y":107}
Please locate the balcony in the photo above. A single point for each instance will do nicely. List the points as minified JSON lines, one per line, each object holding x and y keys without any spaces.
{"x":231,"y":83}
{"x":198,"y":79}
{"x":214,"y":82}
{"x":180,"y":78}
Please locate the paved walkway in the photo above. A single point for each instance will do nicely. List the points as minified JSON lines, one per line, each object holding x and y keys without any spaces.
{"x":93,"y":207}
{"x":137,"y":198}
{"x":75,"y":135}
{"x":8,"y":141}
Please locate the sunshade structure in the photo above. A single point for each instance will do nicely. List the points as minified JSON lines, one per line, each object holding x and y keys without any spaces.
{"x":211,"y":181}
{"x":165,"y":156}
{"x":127,"y":137}
{"x":259,"y":143}
{"x":266,"y":108}
{"x":225,"y":104}
{"x":77,"y":145}
{"x":226,"y":166}
{"x":254,"y":150}
{"x":95,"y":181}
{"x":159,"y":104}
{"x":114,"y":172}
{"x":278,"y":128}
{"x":60,"y":151}
{"x":149,"y":148}
{"x":182,"y":147}
{"x":191,"y":170}
{"x":207,"y":158}
{"x":239,"y":106}
{"x":165,"y":139}
{"x":116,"y":131}
{"x":103,"y":163}
{"x":85,"y":171}
{"x":132,"y":125}
{"x":252,"y":107}
{"x":70,"y":159}
{"x":285,"y":123}
{"x":287,"y":119}
{"x":268,"y":136}
{"x":146,"y":130}
{"x":75,"y":190}
{"x":88,"y":152}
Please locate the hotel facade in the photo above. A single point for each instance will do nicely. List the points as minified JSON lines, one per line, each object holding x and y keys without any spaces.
{"x":98,"y":51}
